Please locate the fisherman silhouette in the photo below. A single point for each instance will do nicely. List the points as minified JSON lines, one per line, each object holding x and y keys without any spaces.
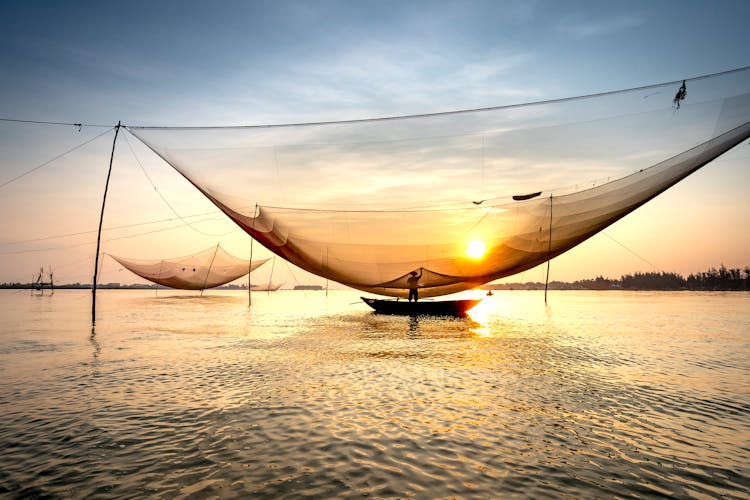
{"x":413,"y":282}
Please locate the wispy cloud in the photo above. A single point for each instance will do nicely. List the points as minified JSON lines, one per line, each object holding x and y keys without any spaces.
{"x":385,"y":79}
{"x":579,"y":27}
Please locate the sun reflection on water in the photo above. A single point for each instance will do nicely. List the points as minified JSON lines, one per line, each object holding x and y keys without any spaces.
{"x":316,"y":395}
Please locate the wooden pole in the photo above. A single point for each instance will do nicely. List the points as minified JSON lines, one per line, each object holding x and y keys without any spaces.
{"x":249,"y":272}
{"x":549,"y":248}
{"x":270,"y":278}
{"x":99,"y":234}
{"x":209,"y":269}
{"x":326,"y":271}
{"x":250,"y":264}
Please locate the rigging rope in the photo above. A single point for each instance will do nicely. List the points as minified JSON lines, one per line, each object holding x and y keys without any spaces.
{"x":289,"y":268}
{"x":124,"y":226}
{"x":47,"y":122}
{"x":55,"y":158}
{"x":270,"y":277}
{"x":156,"y":285}
{"x":15,"y":252}
{"x":203,"y":287}
{"x":165,"y":200}
{"x":454,"y":112}
{"x":631,"y":251}
{"x":490,"y":108}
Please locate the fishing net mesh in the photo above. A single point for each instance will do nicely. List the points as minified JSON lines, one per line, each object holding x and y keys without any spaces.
{"x":207,"y":269}
{"x":462,"y":198}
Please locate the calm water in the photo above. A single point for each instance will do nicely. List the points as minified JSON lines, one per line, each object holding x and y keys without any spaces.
{"x":599,"y":394}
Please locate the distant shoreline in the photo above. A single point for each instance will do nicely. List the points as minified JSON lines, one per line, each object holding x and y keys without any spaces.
{"x":721,"y":279}
{"x":135,"y":286}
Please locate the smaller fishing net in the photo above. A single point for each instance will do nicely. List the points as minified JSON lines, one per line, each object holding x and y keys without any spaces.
{"x":207,"y":269}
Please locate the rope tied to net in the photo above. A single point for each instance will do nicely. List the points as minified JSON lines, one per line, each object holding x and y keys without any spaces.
{"x":680,"y":95}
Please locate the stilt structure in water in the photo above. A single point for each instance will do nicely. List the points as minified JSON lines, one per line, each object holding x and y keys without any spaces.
{"x":39,"y":284}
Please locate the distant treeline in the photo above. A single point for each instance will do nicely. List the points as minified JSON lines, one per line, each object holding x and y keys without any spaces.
{"x":722,"y":278}
{"x":105,"y":286}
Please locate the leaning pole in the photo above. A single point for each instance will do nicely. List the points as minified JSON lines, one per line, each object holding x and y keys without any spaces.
{"x":99,"y":234}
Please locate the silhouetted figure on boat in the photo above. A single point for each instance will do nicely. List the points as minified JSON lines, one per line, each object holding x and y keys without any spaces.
{"x":413,"y":282}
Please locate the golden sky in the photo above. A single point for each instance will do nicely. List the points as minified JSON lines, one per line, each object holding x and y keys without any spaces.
{"x":256,"y":63}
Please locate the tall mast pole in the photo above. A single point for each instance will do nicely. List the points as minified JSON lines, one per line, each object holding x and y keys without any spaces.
{"x":549,"y":248}
{"x":250,"y":264}
{"x":99,"y":234}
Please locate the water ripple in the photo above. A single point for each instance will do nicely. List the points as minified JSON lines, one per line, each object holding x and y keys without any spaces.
{"x":230,"y":405}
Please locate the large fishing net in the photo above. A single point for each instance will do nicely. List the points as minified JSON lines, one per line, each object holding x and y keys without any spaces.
{"x":462,"y":198}
{"x":207,"y":269}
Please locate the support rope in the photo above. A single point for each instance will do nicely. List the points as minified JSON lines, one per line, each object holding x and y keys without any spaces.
{"x":633,"y":252}
{"x":270,"y":277}
{"x":150,"y":180}
{"x":156,"y":285}
{"x":55,"y":158}
{"x":447,"y":113}
{"x":47,"y":122}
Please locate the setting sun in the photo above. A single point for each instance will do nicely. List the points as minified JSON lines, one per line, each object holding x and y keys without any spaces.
{"x":476,"y":249}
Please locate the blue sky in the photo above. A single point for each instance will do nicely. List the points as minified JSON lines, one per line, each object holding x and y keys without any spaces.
{"x":250,"y":62}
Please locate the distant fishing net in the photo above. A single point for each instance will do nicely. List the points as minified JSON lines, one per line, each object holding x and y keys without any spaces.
{"x":207,"y":269}
{"x":462,"y":198}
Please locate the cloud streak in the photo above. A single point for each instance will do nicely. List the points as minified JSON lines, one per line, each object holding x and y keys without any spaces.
{"x":579,"y":27}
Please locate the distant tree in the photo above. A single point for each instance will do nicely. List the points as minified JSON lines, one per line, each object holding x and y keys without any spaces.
{"x":599,"y":283}
{"x":720,"y":279}
{"x":653,"y":281}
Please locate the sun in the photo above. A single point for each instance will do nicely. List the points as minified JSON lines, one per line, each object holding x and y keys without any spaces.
{"x":476,"y":249}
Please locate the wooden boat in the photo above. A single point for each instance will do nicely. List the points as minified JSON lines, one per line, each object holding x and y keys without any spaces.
{"x":455,"y":308}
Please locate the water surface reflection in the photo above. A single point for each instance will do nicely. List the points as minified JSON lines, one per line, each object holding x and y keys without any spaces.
{"x":306,"y":396}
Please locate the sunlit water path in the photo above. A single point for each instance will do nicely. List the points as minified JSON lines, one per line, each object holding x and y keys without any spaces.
{"x":598,"y":394}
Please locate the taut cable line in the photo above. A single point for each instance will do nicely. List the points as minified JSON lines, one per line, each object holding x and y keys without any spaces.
{"x":151,"y":181}
{"x":126,"y":226}
{"x":53,"y":159}
{"x":48,"y":122}
{"x":453,"y":112}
